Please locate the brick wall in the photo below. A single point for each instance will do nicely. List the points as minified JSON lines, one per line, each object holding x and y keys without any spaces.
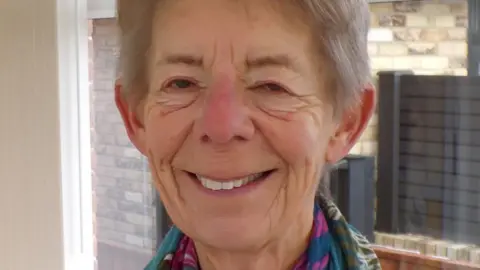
{"x":125,"y":214}
{"x":427,"y":37}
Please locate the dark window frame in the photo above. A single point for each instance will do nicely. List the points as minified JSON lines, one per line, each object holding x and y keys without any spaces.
{"x":473,"y":38}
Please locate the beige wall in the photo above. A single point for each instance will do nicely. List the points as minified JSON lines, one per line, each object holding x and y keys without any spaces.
{"x":31,"y":183}
{"x":30,"y":194}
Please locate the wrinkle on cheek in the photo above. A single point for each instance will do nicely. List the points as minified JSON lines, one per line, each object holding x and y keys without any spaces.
{"x":318,"y":129}
{"x":163,"y":172}
{"x":162,"y":146}
{"x":317,"y":112}
{"x":166,"y":149}
{"x":303,"y":171}
{"x":279,"y":206}
{"x":292,"y":195}
{"x":171,"y":102}
{"x":164,"y":182}
{"x":285,"y":106}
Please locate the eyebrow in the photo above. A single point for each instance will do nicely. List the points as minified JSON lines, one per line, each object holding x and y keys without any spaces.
{"x":180,"y":59}
{"x":277,"y":60}
{"x":274,"y":60}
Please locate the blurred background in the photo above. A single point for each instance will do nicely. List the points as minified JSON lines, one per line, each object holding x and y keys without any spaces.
{"x":411,"y":184}
{"x":424,"y":140}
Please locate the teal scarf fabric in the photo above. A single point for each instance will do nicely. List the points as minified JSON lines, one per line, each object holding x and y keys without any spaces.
{"x":341,"y":247}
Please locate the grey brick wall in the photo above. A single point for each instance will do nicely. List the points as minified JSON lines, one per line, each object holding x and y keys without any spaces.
{"x":440,"y":157}
{"x":125,"y":214}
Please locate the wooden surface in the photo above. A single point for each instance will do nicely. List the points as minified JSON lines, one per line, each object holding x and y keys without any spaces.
{"x":402,"y":260}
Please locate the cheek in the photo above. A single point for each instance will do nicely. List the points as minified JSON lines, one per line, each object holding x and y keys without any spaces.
{"x":301,"y":142}
{"x":169,"y":102}
{"x":295,"y":127}
{"x":278,"y":105}
{"x":166,"y":129}
{"x":297,"y":141}
{"x":304,"y":140}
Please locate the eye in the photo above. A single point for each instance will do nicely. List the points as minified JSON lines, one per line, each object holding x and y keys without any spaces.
{"x":272,"y":87}
{"x":180,"y":84}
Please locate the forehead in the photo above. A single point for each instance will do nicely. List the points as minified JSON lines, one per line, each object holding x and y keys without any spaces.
{"x":256,"y":26}
{"x":251,"y":10}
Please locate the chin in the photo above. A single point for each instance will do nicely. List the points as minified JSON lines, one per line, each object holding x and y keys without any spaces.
{"x":227,"y":236}
{"x":233,"y":219}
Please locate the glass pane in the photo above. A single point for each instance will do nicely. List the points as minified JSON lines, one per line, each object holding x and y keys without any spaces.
{"x":123,"y":195}
{"x":426,"y":134}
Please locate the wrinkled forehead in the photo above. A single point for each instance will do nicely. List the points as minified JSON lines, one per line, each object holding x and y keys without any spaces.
{"x":241,"y":28}
{"x":270,"y":13}
{"x":218,"y":33}
{"x":288,"y":9}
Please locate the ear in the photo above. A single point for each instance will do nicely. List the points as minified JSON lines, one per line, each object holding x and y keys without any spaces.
{"x":351,"y":126}
{"x":133,"y":125}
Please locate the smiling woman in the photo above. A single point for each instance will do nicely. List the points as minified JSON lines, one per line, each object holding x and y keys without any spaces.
{"x":239,"y":107}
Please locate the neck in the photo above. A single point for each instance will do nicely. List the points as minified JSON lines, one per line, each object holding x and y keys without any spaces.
{"x":281,"y":253}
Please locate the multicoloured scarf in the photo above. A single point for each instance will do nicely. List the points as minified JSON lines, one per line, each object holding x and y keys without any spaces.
{"x":334,"y":245}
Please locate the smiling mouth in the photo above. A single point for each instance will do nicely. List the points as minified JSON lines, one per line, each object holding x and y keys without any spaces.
{"x":217,"y":185}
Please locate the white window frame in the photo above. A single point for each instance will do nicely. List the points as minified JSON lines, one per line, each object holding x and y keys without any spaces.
{"x":101,"y":14}
{"x":101,"y":9}
{"x":72,"y":41}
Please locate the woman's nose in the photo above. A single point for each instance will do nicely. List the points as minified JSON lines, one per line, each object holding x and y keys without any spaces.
{"x":225,"y":117}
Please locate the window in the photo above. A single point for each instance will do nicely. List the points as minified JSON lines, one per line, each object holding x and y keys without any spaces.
{"x":124,"y":199}
{"x":426,"y":132}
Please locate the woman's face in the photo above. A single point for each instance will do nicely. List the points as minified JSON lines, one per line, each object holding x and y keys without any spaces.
{"x":237,"y":125}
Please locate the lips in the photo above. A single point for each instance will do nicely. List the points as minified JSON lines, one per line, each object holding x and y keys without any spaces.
{"x":230,"y":184}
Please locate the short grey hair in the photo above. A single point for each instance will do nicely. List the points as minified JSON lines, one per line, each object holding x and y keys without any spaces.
{"x":340,"y":29}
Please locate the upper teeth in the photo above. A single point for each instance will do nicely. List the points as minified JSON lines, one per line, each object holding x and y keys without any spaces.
{"x":227,"y":185}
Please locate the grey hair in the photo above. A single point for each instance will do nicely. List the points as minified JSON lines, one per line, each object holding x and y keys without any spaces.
{"x":340,"y":29}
